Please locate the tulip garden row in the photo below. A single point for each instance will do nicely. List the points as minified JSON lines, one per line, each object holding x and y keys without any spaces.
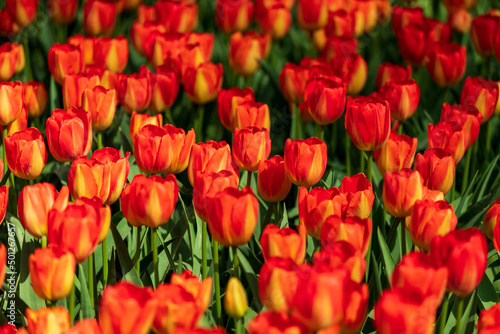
{"x":266,"y":166}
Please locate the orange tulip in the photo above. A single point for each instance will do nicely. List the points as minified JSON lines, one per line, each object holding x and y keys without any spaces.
{"x":397,"y":153}
{"x":278,"y":278}
{"x":164,"y":88}
{"x":163,"y":150}
{"x":293,"y":79}
{"x":112,"y":53}
{"x":488,"y":320}
{"x":460,"y":20}
{"x":11,"y":99}
{"x":86,"y":47}
{"x":483,"y":94}
{"x":233,"y":216}
{"x":64,"y":59}
{"x":342,"y":255}
{"x":312,"y":15}
{"x":467,"y":116}
{"x":101,"y":103}
{"x":8,"y":58}
{"x":85,"y":326}
{"x":437,"y":168}
{"x":273,"y":184}
{"x":4,"y":199}
{"x":284,"y":243}
{"x":252,"y":114}
{"x":273,"y":18}
{"x":401,"y":190}
{"x":450,"y":137}
{"x":52,"y":271}
{"x":23,"y":12}
{"x":227,"y":102}
{"x":358,"y":197}
{"x":391,"y":72}
{"x":233,"y":15}
{"x":161,"y":48}
{"x":137,"y":121}
{"x":75,"y":85}
{"x":491,"y":218}
{"x":273,"y":322}
{"x":134,"y":91}
{"x":26,"y":153}
{"x":354,"y":230}
{"x":245,"y":51}
{"x":35,"y":98}
{"x":177,"y":16}
{"x":140,"y":31}
{"x":48,"y":320}
{"x":63,"y":11}
{"x":99,"y":17}
{"x":202,"y":83}
{"x":251,"y":146}
{"x":20,"y":124}
{"x":305,"y":161}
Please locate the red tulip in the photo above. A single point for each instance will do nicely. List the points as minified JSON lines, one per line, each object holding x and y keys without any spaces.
{"x":63,"y":11}
{"x":325,"y":99}
{"x":64,"y":59}
{"x":488,"y":320}
{"x":284,"y":243}
{"x":401,"y":190}
{"x":273,"y":322}
{"x":233,"y":15}
{"x":403,"y":97}
{"x":391,"y":72}
{"x":305,"y":161}
{"x":397,"y":153}
{"x":23,"y":12}
{"x":356,"y":231}
{"x":446,"y":63}
{"x":112,"y":53}
{"x":137,"y":121}
{"x":202,"y":83}
{"x":483,"y":94}
{"x":449,"y":136}
{"x":26,"y":153}
{"x":293,"y":79}
{"x":312,"y":15}
{"x":251,"y":146}
{"x":482,"y":34}
{"x":437,"y":168}
{"x":99,"y":17}
{"x":272,"y":183}
{"x":467,"y":116}
{"x":278,"y":278}
{"x":227,"y":102}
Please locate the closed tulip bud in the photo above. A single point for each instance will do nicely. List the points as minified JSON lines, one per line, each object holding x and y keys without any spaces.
{"x":149,"y":201}
{"x":355,"y":230}
{"x":278,"y":278}
{"x":403,"y":97}
{"x":252,"y":114}
{"x":228,"y":100}
{"x":368,"y":122}
{"x":451,"y":137}
{"x":414,"y":41}
{"x":127,"y":309}
{"x":208,"y":185}
{"x":165,"y":86}
{"x":274,"y":322}
{"x":35,"y":98}
{"x":437,"y":168}
{"x":391,"y":72}
{"x":69,"y":133}
{"x":250,"y":146}
{"x":491,"y":218}
{"x":397,"y":153}
{"x":451,"y":250}
{"x":103,"y":215}
{"x":233,"y":15}
{"x":99,"y":18}
{"x":482,"y":34}
{"x":273,"y":18}
{"x":112,"y":53}
{"x":134,"y":91}
{"x":8,"y":58}
{"x":245,"y":51}
{"x":343,"y":47}
{"x":101,"y":103}
{"x":211,"y":156}
{"x":401,"y":190}
{"x":293,"y":79}
{"x":54,"y":320}
{"x":202,"y":83}
{"x":446,"y":63}
{"x":63,"y":11}
{"x":460,"y":20}
{"x":140,"y":31}
{"x":11,"y":100}
{"x":358,"y":197}
{"x":235,"y":300}
{"x":483,"y":94}
{"x":27,"y":154}
{"x":64,"y":59}
{"x":23,"y":12}
{"x":312,"y":15}
{"x":305,"y":161}
{"x":342,"y":255}
{"x":35,"y":202}
{"x":52,"y":271}
{"x":284,"y":243}
{"x":73,"y":87}
{"x":86,"y":47}
{"x":20,"y":57}
{"x":273,"y":184}
{"x":398,"y":311}
{"x":403,"y":16}
{"x":467,"y":116}
{"x":181,"y":303}
{"x":85,"y":326}
{"x":488,"y":320}
{"x":430,"y":219}
{"x":177,"y":16}
{"x":316,"y":206}
{"x":325,"y":99}
{"x":137,"y":121}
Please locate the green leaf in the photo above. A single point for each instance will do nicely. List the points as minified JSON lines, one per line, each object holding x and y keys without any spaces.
{"x":26,"y":291}
{"x":87,"y":311}
{"x":128,"y":267}
{"x":484,"y":181}
{"x":463,"y":199}
{"x":386,"y":254}
{"x":486,"y":293}
{"x":272,"y":74}
{"x":250,"y":276}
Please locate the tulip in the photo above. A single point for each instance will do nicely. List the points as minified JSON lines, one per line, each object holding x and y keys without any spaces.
{"x":278,"y":278}
{"x":467,"y":116}
{"x":325,"y":99}
{"x":35,"y":98}
{"x":437,"y":169}
{"x":54,"y":320}
{"x":162,"y":47}
{"x":451,"y":249}
{"x":146,"y":13}
{"x":390,"y":72}
{"x":483,"y":94}
{"x":163,"y":150}
{"x":134,"y":91}
{"x":140,"y":31}
{"x":103,"y":213}
{"x":52,"y":271}
{"x":398,"y":311}
{"x":273,"y":322}
{"x":227,"y":102}
{"x":272,"y":183}
{"x":355,"y":230}
{"x":63,"y":12}
{"x":284,"y":243}
{"x":205,"y":42}
{"x":23,"y":12}
{"x":85,"y":326}
{"x":112,"y":53}
{"x":235,"y":299}
{"x":20,"y":57}
{"x":86,"y":47}
{"x":11,"y":99}
{"x":367,"y":121}
{"x":209,"y":157}
{"x":202,"y":83}
{"x":101,"y":103}
{"x":8,"y":28}
{"x":482,"y":34}
{"x":126,"y":309}
{"x":397,"y":153}
{"x":341,"y":23}
{"x":181,"y":303}
{"x":69,"y":133}
{"x":451,"y":137}
{"x":352,"y":68}
{"x":233,"y":15}
{"x":26,"y":153}
{"x":99,"y":18}
{"x":446,"y":63}
{"x":274,"y":18}
{"x":251,"y":146}
{"x":403,"y":97}
{"x":245,"y":51}
{"x":312,"y":15}
{"x":403,"y":16}
{"x":149,"y":201}
{"x":252,"y":114}
{"x":345,"y":48}
{"x":3,"y":262}
{"x":490,"y":219}
{"x":4,"y":199}
{"x":460,"y":20}
{"x":137,"y":121}
{"x":414,"y":40}
{"x":75,"y":85}
{"x":401,"y":190}
{"x":342,"y":255}
{"x":293,"y":79}
{"x":20,"y":124}
{"x":496,"y":237}
{"x":305,"y":161}
{"x":177,"y":16}
{"x":65,"y":59}
{"x":358,"y":197}
{"x":430,"y":219}
{"x":165,"y":86}
{"x":488,"y":320}
{"x":465,"y":4}
{"x":8,"y":58}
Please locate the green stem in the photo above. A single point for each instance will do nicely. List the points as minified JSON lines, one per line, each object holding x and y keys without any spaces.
{"x":44,"y":242}
{"x":444,"y":313}
{"x":104,"y":262}
{"x":91,"y":279}
{"x":198,"y":128}
{"x":154,"y":247}
{"x":400,"y":128}
{"x":465,"y":178}
{"x":204,"y":269}
{"x":71,"y":303}
{"x":236,"y":262}
{"x":393,"y":229}
{"x":320,"y":131}
{"x":403,"y":238}
{"x":168,"y":117}
{"x":99,"y":140}
{"x":239,"y":326}
{"x":249,"y":178}
{"x":138,"y":251}
{"x":218,"y":305}
{"x":4,"y":134}
{"x":488,"y":140}
{"x":460,"y":311}
{"x":452,"y":198}
{"x":362,"y":161}
{"x":348,"y":154}
{"x":27,"y":63}
{"x":276,"y":217}
{"x":369,"y":167}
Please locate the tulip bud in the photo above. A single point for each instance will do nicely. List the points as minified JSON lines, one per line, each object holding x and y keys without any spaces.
{"x":437,"y":169}
{"x":8,"y":28}
{"x":397,"y":153}
{"x":202,"y":83}
{"x":99,"y":18}
{"x":177,"y":16}
{"x":235,"y":300}
{"x":278,"y":278}
{"x":482,"y":34}
{"x":325,"y":99}
{"x":403,"y":16}
{"x":414,"y":41}
{"x":63,"y":11}
{"x":403,"y":97}
{"x":250,"y":146}
{"x":137,"y":121}
{"x":140,"y":31}
{"x":490,"y":219}
{"x":245,"y":51}
{"x":252,"y":114}
{"x":134,"y":91}
{"x":8,"y":58}
{"x":27,"y":154}
{"x":352,"y":68}
{"x":401,"y":190}
{"x":23,"y":12}
{"x":467,"y":116}
{"x":483,"y":94}
{"x":233,"y":15}
{"x":312,"y":15}
{"x":227,"y":102}
{"x":101,"y":103}
{"x":284,"y":243}
{"x":54,"y":320}
{"x":210,"y":157}
{"x":293,"y":79}
{"x":162,"y":47}
{"x":11,"y":100}
{"x":451,"y":249}
{"x":392,"y":72}
{"x":75,"y":85}
{"x":64,"y":59}
{"x":342,"y":255}
{"x":305,"y":161}
{"x":446,"y":63}
{"x":449,"y":136}
{"x":35,"y":98}
{"x":165,"y":86}
{"x":112,"y":53}
{"x":272,"y":183}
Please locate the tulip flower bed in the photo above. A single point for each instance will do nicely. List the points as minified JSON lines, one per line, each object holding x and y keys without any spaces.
{"x":237,"y":166}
